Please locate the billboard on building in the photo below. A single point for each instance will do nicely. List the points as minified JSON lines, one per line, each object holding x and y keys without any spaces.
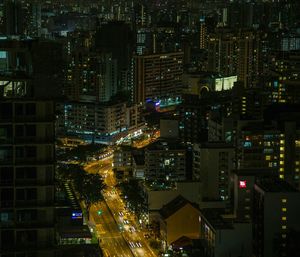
{"x":225,"y":83}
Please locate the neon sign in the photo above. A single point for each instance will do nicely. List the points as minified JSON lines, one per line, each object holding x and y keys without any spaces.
{"x":243,"y":184}
{"x":76,"y":215}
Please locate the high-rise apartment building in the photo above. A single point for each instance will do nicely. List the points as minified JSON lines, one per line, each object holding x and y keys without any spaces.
{"x":157,"y":76}
{"x":116,"y":37}
{"x":235,"y":53}
{"x":14,"y":22}
{"x":91,"y":76}
{"x":202,"y":34}
{"x":27,"y":151}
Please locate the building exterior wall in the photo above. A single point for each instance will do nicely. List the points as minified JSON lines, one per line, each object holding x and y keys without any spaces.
{"x":184,"y":222}
{"x":157,"y":76}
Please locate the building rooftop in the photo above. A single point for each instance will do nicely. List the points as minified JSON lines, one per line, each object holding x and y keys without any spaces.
{"x":274,"y":185}
{"x":165,"y":144}
{"x":257,"y":172}
{"x":139,"y":159}
{"x":217,"y":144}
{"x":74,"y":232}
{"x":173,"y":206}
{"x":214,"y":217}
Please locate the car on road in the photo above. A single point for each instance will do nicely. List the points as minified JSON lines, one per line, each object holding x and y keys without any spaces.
{"x":131,"y":229}
{"x":132,"y":245}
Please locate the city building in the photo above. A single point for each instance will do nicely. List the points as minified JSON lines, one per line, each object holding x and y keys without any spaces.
{"x":243,"y":185}
{"x":275,"y":217}
{"x":235,"y":54}
{"x":101,"y":123}
{"x":272,"y":145}
{"x":179,"y":218}
{"x":91,"y":75}
{"x":122,"y":158}
{"x":157,"y":77}
{"x":223,"y":236}
{"x":27,"y":150}
{"x":166,"y":160}
{"x":212,"y":166}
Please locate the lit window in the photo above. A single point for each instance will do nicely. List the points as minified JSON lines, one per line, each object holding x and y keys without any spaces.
{"x":283,"y":200}
{"x":281,"y":162}
{"x":281,"y":176}
{"x":281,"y":169}
{"x":283,"y":218}
{"x":283,"y":209}
{"x":281,"y":155}
{"x":283,"y":235}
{"x":281,"y":141}
{"x":283,"y":227}
{"x":281,"y":148}
{"x":268,"y":157}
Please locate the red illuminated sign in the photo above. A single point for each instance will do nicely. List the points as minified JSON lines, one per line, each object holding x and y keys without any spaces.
{"x":243,"y":184}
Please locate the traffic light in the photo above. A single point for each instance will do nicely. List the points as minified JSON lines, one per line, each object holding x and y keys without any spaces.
{"x":99,"y":212}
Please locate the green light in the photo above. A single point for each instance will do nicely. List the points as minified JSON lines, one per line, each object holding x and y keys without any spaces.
{"x":99,"y":212}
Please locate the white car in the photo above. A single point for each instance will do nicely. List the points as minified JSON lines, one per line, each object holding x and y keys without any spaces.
{"x":132,"y":245}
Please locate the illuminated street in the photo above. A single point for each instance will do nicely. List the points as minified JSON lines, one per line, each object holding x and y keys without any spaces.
{"x":117,"y":237}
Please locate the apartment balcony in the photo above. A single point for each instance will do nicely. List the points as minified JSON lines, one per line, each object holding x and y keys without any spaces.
{"x":33,"y":140}
{"x":27,"y":246}
{"x":26,"y":224}
{"x":6,"y":162}
{"x":27,"y":118}
{"x":6,"y":204}
{"x":34,"y":161}
{"x":26,"y":140}
{"x":34,"y":224}
{"x":34,"y":182}
{"x":6,"y":182}
{"x":33,"y":203}
{"x":34,"y":118}
{"x":6,"y":141}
